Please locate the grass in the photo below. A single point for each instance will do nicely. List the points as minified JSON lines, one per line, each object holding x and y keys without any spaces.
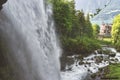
{"x":114,"y":71}
{"x":105,"y":41}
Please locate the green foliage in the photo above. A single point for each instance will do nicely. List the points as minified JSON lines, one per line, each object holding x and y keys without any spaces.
{"x":116,"y":32}
{"x":80,"y":45}
{"x":74,"y":27}
{"x":63,"y":14}
{"x":114,"y":71}
{"x":88,"y":29}
{"x":96,"y":29}
{"x":80,"y":28}
{"x":69,"y":22}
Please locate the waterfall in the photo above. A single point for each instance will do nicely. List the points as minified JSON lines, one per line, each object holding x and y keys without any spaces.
{"x":27,"y":28}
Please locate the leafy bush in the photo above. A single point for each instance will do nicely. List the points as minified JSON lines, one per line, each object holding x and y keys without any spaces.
{"x":79,"y":45}
{"x":116,"y":32}
{"x":96,"y":30}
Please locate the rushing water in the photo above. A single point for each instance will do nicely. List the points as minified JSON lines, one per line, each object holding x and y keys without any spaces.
{"x":28,"y":29}
{"x":91,"y":65}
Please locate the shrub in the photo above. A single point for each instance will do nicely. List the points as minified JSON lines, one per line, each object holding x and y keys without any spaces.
{"x":80,"y":45}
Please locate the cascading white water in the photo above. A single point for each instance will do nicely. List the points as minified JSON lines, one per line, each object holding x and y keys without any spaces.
{"x":28,"y":30}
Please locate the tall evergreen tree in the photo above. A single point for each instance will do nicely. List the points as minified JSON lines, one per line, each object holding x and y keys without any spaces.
{"x":81,"y":21}
{"x":88,"y":29}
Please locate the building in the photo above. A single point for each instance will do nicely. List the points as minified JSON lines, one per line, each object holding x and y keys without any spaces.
{"x":105,"y":30}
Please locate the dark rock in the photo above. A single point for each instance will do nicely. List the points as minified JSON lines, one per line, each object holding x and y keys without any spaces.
{"x":80,"y":57}
{"x":93,"y":76}
{"x":88,"y":70}
{"x":100,"y":51}
{"x":112,"y":54}
{"x":69,"y":69}
{"x":113,"y":61}
{"x":116,"y":60}
{"x":2,"y":2}
{"x":88,"y":63}
{"x":98,"y":59}
{"x":66,"y":61}
{"x":81,"y":63}
{"x":106,"y":51}
{"x":85,"y":65}
{"x":92,"y":58}
{"x":100,"y":69}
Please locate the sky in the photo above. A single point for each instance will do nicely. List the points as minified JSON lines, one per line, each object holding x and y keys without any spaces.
{"x":90,"y":5}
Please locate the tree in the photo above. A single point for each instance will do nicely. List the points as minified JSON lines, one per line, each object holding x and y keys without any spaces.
{"x":63,"y":14}
{"x":97,"y":11}
{"x":81,"y":23}
{"x":96,"y":30}
{"x":74,"y":28}
{"x":116,"y":32}
{"x":88,"y":26}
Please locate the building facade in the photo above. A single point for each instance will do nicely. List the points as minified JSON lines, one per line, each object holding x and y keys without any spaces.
{"x":105,"y":30}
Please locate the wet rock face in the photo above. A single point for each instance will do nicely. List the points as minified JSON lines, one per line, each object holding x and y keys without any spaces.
{"x":2,"y":2}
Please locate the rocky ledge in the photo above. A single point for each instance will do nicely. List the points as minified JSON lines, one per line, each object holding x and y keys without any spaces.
{"x":1,"y":3}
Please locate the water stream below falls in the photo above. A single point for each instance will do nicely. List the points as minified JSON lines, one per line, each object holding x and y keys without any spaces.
{"x":27,"y":29}
{"x":82,"y":69}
